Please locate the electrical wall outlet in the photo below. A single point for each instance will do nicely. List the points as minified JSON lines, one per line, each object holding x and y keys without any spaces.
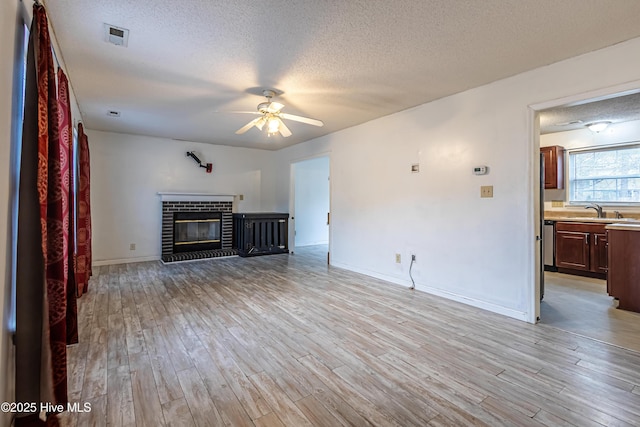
{"x":398,"y":259}
{"x":557,"y":203}
{"x":486,"y":191}
{"x":132,"y":247}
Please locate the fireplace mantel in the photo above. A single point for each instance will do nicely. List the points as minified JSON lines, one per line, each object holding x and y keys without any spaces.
{"x":167,"y":196}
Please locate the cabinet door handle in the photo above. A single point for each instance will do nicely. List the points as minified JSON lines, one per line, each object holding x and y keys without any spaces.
{"x":586,"y":238}
{"x":596,"y":239}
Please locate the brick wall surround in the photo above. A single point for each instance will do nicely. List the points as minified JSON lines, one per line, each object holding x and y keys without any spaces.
{"x":170,"y":207}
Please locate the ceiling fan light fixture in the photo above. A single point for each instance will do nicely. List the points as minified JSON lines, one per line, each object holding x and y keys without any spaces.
{"x":273,"y":125}
{"x":598,"y":126}
{"x":271,"y":115}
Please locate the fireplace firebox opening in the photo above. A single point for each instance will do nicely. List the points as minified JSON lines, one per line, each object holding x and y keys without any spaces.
{"x":197,"y":231}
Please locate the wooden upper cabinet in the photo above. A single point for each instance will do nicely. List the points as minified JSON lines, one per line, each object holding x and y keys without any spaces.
{"x":553,"y":167}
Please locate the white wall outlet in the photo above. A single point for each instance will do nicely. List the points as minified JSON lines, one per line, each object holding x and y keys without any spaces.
{"x":398,"y":259}
{"x":132,"y":246}
{"x":486,"y":191}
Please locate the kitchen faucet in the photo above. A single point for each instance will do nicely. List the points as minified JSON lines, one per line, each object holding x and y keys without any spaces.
{"x":597,"y":208}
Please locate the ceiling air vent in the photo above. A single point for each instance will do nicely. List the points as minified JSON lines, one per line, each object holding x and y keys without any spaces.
{"x":116,"y":35}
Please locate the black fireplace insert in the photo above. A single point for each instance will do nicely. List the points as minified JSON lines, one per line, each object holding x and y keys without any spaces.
{"x":196,"y":231}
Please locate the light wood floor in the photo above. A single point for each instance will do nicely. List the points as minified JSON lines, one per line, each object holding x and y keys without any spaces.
{"x":285,"y":340}
{"x":581,"y":305}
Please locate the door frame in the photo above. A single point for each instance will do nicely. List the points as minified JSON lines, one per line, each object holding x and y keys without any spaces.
{"x":537,"y":275}
{"x":292,"y":198}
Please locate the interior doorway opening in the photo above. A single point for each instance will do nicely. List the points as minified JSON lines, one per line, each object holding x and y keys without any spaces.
{"x":310,"y":204}
{"x":571,"y":302}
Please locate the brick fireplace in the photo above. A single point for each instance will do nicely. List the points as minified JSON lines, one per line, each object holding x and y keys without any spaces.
{"x":196,"y":226}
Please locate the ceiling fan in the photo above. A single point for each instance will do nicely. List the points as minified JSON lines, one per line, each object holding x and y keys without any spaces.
{"x":271,"y":116}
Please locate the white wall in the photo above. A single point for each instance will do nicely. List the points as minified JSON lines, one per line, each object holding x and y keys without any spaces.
{"x":8,"y":22}
{"x":311,"y":180}
{"x":617,"y":133}
{"x":480,"y":251}
{"x":127,"y":172}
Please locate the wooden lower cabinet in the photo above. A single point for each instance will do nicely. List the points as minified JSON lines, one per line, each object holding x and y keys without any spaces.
{"x":581,"y":248}
{"x":600,"y":253}
{"x":623,"y":281}
{"x":572,"y":250}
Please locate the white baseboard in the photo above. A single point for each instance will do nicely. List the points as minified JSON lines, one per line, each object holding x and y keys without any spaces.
{"x":125,"y":260}
{"x":485,"y":305}
{"x":324,"y":242}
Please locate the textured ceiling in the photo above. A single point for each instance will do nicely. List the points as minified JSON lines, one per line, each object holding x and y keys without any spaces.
{"x":343,"y":62}
{"x":614,"y":110}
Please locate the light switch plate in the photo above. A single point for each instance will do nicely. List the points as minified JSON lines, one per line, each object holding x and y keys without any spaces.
{"x":486,"y":191}
{"x":557,"y":204}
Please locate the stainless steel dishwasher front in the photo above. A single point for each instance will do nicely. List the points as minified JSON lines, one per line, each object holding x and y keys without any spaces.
{"x":549,"y":242}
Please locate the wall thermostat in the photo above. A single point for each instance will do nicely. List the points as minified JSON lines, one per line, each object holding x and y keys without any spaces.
{"x":480,"y":170}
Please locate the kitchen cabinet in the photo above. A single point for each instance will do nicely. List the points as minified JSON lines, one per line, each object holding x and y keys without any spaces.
{"x":623,"y":280}
{"x":581,"y":248}
{"x":553,"y":167}
{"x":601,"y":256}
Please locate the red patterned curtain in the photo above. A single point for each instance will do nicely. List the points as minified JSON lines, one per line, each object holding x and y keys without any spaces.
{"x":42,"y":258}
{"x":67,"y":175}
{"x":83,"y":256}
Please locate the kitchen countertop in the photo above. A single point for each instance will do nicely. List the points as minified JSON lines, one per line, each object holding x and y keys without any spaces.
{"x":593,"y":219}
{"x":626,"y":227}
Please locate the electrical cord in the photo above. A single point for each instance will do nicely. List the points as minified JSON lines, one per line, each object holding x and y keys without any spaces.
{"x":413,"y":283}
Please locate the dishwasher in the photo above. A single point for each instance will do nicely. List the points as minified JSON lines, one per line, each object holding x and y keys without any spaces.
{"x":549,"y":245}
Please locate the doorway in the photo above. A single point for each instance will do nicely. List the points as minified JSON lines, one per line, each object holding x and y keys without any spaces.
{"x":310,"y":205}
{"x":574,"y":303}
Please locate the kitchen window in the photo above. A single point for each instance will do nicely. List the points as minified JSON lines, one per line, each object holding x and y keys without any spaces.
{"x":605,"y":175}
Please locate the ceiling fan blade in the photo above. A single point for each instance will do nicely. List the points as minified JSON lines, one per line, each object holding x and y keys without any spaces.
{"x":274,"y":107}
{"x":260,"y":122}
{"x":248,"y":126}
{"x":301,"y":119}
{"x":240,"y":112}
{"x":284,"y":130}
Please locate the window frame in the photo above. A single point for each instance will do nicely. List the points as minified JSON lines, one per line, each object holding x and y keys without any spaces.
{"x":595,"y":149}
{"x":19,"y":85}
